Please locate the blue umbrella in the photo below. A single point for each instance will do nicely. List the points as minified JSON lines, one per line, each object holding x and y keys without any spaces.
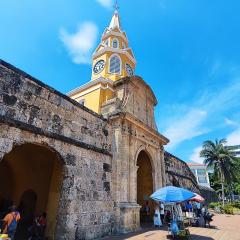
{"x":172,"y":194}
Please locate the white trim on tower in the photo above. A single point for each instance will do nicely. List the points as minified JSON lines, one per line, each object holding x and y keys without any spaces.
{"x":115,"y":50}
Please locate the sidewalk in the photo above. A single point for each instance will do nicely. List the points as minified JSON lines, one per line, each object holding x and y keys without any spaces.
{"x":224,"y":227}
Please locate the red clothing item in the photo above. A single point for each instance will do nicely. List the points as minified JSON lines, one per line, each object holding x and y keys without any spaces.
{"x":42,"y":221}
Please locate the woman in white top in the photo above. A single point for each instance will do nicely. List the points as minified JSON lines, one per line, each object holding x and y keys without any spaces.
{"x":179,"y":212}
{"x":156,"y":218}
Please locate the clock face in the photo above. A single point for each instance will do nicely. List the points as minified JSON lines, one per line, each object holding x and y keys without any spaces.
{"x":129,"y":70}
{"x":99,"y":66}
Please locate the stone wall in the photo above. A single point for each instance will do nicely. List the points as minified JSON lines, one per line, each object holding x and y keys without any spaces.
{"x":31,"y":112}
{"x":208,"y":194}
{"x":131,"y":115}
{"x":134,"y":96}
{"x":179,"y":174}
{"x":30,"y":102}
{"x":99,"y":189}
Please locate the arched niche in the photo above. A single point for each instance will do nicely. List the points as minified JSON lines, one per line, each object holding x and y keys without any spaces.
{"x":31,"y":178}
{"x":145,"y":185}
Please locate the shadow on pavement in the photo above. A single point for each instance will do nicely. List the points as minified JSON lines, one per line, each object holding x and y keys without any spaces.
{"x":198,"y":237}
{"x":145,"y":232}
{"x":151,"y":232}
{"x":214,"y":227}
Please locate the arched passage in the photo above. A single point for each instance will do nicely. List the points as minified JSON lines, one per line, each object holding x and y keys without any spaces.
{"x":30,"y":178}
{"x":144,"y":186}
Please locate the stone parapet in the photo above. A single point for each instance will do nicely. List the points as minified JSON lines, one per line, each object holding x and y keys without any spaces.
{"x":25,"y":101}
{"x":178,"y":173}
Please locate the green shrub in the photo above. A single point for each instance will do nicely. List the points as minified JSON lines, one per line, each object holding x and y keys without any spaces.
{"x":228,"y":209}
{"x":236,"y":204}
{"x":214,"y":204}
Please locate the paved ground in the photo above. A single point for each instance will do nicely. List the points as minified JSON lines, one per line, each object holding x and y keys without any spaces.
{"x":225,"y":227}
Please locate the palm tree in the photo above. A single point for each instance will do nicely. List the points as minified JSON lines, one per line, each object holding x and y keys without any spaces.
{"x":217,"y":156}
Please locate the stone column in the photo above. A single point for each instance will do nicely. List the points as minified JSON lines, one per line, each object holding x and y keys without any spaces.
{"x":163,"y":173}
{"x":125,"y":163}
{"x":133,"y":184}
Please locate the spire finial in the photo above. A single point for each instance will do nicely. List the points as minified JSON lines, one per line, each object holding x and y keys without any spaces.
{"x":116,"y":6}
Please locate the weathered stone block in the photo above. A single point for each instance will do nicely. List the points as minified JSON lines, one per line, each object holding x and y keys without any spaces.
{"x":106,"y":186}
{"x":106,"y":167}
{"x":70,"y":160}
{"x":9,"y":99}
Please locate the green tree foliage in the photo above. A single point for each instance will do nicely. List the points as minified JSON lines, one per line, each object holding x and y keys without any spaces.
{"x":224,"y":163}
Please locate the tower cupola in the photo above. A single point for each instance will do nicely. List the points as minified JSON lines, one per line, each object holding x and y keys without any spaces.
{"x":113,"y":58}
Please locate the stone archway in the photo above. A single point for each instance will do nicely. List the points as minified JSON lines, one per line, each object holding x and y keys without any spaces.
{"x":144,"y":186}
{"x":31,"y":179}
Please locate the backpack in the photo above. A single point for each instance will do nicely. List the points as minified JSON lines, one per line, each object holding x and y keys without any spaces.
{"x":13,"y":225}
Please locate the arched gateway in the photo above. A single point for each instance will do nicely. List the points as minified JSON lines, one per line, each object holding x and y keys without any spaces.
{"x":144,"y":186}
{"x":30,"y":178}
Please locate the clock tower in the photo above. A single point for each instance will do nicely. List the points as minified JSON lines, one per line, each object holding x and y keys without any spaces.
{"x":112,"y":60}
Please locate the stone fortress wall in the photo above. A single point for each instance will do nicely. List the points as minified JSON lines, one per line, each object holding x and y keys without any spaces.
{"x":31,"y":112}
{"x":179,"y":174}
{"x":101,"y":156}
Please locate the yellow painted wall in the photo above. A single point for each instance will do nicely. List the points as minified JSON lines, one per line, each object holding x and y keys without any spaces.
{"x":93,"y":99}
{"x":53,"y":199}
{"x":6,"y":181}
{"x":105,"y":94}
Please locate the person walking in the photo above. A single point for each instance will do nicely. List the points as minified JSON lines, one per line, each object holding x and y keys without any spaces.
{"x":147,"y":210}
{"x":198,"y":206}
{"x":11,"y":221}
{"x":156,"y":218}
{"x":162,"y":213}
{"x":38,"y":228}
{"x":189,"y":206}
{"x":42,"y":223}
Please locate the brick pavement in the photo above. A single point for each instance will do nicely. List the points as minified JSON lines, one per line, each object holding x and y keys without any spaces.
{"x":224,"y":227}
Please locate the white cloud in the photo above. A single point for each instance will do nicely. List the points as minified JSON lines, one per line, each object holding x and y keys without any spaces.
{"x":220,"y":101}
{"x":230,"y":122}
{"x":185,"y":128}
{"x":195,"y":157}
{"x":106,"y":3}
{"x":234,"y":137}
{"x":80,"y":44}
{"x":207,"y":110}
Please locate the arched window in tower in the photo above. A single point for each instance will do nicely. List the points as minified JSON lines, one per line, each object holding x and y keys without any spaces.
{"x":115,"y":43}
{"x":106,"y":42}
{"x":115,"y":64}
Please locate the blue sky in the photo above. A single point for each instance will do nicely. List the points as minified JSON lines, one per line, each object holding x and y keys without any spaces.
{"x":187,"y":50}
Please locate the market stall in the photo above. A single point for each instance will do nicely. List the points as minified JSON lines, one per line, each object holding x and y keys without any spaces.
{"x":173,"y":196}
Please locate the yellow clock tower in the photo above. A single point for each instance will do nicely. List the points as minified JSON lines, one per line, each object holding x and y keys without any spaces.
{"x":113,"y":59}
